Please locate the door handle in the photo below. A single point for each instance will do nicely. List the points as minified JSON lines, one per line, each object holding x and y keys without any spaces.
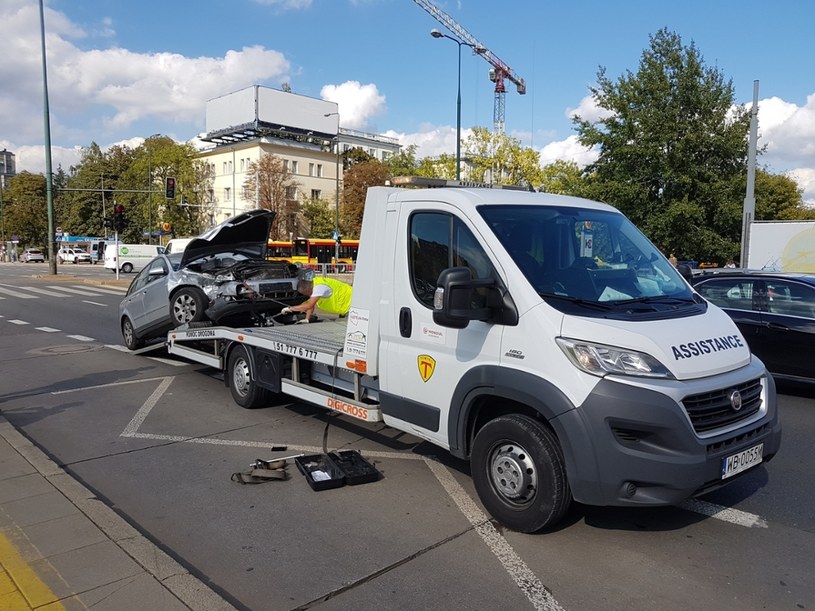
{"x":405,"y":322}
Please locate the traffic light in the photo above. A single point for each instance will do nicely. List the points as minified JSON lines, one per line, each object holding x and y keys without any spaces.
{"x":169,"y":187}
{"x":119,"y":222}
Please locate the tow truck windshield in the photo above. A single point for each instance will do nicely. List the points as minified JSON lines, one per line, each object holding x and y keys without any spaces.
{"x":582,"y":256}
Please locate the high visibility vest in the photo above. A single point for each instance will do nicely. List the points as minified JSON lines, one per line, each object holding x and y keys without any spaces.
{"x":339,"y":302}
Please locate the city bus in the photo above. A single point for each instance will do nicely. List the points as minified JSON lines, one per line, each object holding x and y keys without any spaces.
{"x":316,"y":253}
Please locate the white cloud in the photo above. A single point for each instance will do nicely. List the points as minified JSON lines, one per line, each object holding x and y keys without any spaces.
{"x":805,"y":177}
{"x":357,"y":103}
{"x":107,"y":91}
{"x":567,"y":150}
{"x":588,"y":110}
{"x":788,"y":131}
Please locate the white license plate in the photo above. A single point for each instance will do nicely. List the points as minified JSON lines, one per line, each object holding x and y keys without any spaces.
{"x":742,"y":461}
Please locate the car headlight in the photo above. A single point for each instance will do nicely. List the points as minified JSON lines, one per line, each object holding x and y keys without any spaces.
{"x":601,"y":360}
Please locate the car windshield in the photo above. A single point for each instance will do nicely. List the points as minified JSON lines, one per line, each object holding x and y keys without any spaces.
{"x":590,"y":255}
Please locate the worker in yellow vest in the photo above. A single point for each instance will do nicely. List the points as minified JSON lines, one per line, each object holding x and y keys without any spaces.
{"x":329,"y":295}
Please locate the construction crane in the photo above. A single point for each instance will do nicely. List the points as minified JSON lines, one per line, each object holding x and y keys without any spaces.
{"x":499,"y":71}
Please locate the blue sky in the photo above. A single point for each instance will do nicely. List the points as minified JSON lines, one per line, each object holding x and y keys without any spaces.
{"x":121,"y":70}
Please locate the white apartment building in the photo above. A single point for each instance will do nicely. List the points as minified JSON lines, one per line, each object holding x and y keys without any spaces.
{"x":302,"y":131}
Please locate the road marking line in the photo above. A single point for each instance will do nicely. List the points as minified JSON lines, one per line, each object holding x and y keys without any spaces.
{"x":17,"y":294}
{"x":81,"y":338}
{"x":104,"y":305}
{"x":68,"y":289}
{"x":14,"y":321}
{"x":518,"y":570}
{"x":97,"y":386}
{"x":726,"y":514}
{"x":35,"y":289}
{"x":102,"y":290}
{"x":134,"y":424}
{"x":48,"y":329}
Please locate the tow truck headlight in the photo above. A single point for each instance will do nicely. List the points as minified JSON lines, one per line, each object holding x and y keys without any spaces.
{"x":601,"y":360}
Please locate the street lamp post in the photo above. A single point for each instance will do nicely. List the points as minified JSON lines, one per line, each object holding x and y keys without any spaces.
{"x":336,"y":190}
{"x":437,"y":34}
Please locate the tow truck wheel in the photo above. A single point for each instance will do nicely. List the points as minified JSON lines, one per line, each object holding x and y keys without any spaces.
{"x":129,"y":335}
{"x":519,"y":473}
{"x":187,"y":305}
{"x":245,"y":391}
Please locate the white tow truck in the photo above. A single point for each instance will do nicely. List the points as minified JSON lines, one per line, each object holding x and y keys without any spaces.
{"x":542,"y":337}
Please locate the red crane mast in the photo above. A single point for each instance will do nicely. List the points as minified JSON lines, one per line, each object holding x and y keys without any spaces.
{"x":499,"y":72}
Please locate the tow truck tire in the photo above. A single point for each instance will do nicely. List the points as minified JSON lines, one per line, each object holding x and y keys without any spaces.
{"x":129,"y":335}
{"x":187,"y":305}
{"x":519,"y":473}
{"x":245,"y":391}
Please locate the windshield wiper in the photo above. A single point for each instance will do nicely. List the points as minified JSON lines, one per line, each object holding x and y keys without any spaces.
{"x":656,"y":299}
{"x":577,"y":300}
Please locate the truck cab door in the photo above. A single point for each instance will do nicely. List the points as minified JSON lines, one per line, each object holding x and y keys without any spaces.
{"x":423,"y":362}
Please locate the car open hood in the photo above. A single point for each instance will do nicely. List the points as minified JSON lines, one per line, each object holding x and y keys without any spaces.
{"x":250,"y":229}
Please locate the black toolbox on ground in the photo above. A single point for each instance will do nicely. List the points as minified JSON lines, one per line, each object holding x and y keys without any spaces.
{"x":357,"y":470}
{"x":335,"y":469}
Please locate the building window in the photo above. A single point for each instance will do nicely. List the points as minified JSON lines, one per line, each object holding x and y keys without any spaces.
{"x":320,"y":170}
{"x":227,"y":194}
{"x":372,"y":152}
{"x":286,"y":165}
{"x":311,"y":169}
{"x":225,"y":166}
{"x":291,"y":193}
{"x":294,"y":167}
{"x":315,"y":194}
{"x":243,"y":164}
{"x":385,"y":155}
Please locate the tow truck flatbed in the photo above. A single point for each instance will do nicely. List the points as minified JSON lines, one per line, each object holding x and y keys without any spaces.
{"x":322,"y":343}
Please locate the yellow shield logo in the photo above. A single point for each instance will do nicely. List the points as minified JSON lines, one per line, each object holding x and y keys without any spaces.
{"x":426,"y":365}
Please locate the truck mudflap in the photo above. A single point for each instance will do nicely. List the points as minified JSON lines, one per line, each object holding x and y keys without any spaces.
{"x":629,"y":445}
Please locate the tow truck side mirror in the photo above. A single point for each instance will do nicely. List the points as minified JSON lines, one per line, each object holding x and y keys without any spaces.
{"x":453,"y":299}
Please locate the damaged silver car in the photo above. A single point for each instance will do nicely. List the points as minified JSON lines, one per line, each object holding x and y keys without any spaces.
{"x":222,"y":276}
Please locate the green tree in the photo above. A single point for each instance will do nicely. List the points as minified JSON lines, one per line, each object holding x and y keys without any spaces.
{"x":24,"y":210}
{"x":500,"y":159}
{"x":561,"y":177}
{"x":670,"y":147}
{"x":403,"y":162}
{"x":141,"y":190}
{"x":320,"y":218}
{"x":355,"y":187}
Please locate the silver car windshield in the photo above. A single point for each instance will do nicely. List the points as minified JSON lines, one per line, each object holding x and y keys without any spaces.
{"x":585,"y":254}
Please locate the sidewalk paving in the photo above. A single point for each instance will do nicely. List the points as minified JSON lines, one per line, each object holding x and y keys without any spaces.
{"x":63,"y":548}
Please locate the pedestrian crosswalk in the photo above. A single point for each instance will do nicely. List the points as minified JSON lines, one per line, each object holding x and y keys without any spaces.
{"x":8,"y":291}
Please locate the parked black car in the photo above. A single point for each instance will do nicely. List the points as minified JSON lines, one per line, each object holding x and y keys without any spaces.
{"x":775,"y":312}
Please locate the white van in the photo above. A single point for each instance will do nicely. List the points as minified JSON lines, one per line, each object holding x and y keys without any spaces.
{"x":177,"y":245}
{"x":129,"y":257}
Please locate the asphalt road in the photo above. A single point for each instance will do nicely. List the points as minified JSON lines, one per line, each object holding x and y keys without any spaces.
{"x":158,"y":439}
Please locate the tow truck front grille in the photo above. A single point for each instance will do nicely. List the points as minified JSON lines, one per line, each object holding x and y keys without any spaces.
{"x":713,"y":410}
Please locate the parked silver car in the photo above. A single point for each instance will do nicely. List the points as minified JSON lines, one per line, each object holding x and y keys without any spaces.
{"x":32,"y":255}
{"x":221,"y":276}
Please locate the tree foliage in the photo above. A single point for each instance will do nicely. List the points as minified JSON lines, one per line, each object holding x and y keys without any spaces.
{"x":272,"y":186}
{"x":355,"y":186}
{"x":320,"y":218}
{"x":671,"y":149}
{"x":24,"y":210}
